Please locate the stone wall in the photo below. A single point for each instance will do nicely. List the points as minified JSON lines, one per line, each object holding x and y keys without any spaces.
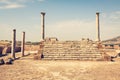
{"x":7,"y":49}
{"x":31,"y":47}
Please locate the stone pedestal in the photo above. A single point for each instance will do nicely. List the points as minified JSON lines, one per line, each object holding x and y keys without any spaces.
{"x":84,"y":50}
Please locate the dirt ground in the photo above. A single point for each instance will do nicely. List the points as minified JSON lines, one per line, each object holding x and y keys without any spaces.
{"x":26,"y":68}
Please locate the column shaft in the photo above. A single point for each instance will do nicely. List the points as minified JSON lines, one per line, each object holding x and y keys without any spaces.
{"x":23,"y":43}
{"x":43,"y":25}
{"x":97,"y":27}
{"x":13,"y":44}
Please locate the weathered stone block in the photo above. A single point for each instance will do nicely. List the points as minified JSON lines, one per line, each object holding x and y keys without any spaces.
{"x":2,"y":62}
{"x":9,"y":61}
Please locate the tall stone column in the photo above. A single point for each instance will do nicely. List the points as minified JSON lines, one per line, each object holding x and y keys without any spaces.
{"x":23,"y":43}
{"x":13,"y":43}
{"x":43,"y":25}
{"x":97,"y":27}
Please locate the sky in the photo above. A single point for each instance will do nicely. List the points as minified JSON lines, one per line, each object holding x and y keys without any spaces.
{"x":64,"y":19}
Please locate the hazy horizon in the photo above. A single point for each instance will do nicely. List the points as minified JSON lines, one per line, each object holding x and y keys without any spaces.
{"x":64,"y":19}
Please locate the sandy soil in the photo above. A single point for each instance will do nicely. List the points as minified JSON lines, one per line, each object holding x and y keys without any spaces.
{"x":26,"y":68}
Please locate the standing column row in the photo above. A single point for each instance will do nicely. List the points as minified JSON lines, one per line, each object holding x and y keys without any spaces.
{"x":14,"y":44}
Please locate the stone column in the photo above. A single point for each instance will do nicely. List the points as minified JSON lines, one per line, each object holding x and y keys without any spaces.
{"x":23,"y":43}
{"x":13,"y":43}
{"x":43,"y":25}
{"x":97,"y":27}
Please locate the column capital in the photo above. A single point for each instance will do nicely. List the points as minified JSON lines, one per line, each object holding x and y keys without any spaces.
{"x":43,"y":13}
{"x":97,"y":12}
{"x":23,"y":31}
{"x":14,"y":29}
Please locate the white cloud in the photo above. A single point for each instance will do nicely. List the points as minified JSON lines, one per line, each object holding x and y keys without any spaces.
{"x":9,"y":4}
{"x":112,"y":17}
{"x":4,"y":1}
{"x":115,"y":15}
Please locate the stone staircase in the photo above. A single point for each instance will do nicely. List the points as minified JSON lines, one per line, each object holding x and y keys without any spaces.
{"x":85,"y":50}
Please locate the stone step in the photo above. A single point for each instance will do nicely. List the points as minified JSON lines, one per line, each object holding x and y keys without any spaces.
{"x":45,"y":56}
{"x":72,"y":54}
{"x":71,"y":58}
{"x":82,"y":59}
{"x":71,"y":50}
{"x":65,"y":48}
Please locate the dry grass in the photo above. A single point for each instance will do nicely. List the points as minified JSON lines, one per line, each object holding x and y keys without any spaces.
{"x":27,"y":68}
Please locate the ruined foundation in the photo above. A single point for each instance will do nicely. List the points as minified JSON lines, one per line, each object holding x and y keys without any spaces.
{"x":85,"y":50}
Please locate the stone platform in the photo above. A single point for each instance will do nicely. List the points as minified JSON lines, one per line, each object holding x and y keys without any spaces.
{"x":85,"y":50}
